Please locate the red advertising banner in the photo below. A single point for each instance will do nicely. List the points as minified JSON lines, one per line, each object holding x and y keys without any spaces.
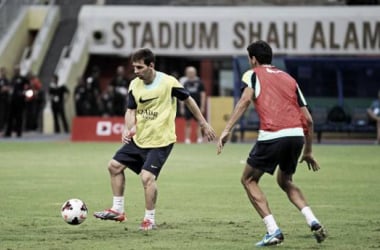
{"x":110,"y":129}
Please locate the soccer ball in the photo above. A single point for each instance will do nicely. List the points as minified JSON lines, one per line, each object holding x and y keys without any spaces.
{"x":74,"y":211}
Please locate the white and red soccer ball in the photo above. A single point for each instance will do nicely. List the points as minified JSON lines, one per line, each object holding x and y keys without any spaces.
{"x":74,"y":211}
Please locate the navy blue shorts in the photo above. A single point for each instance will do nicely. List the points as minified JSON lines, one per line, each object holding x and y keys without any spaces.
{"x":149,"y":159}
{"x":266,"y":155}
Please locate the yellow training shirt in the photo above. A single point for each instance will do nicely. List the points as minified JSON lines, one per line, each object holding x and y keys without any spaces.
{"x":156,"y":109}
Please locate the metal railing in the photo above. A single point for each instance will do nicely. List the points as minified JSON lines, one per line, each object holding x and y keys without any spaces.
{"x":31,"y":59}
{"x":9,"y":10}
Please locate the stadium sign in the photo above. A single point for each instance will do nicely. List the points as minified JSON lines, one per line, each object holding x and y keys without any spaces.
{"x":215,"y":31}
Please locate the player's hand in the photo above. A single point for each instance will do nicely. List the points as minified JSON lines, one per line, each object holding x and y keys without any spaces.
{"x":128,"y":134}
{"x":312,"y":164}
{"x":207,"y":131}
{"x":222,"y":140}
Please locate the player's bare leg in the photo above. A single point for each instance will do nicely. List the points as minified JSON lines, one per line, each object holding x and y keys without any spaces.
{"x":150,"y":190}
{"x":293,"y":192}
{"x":116,"y":171}
{"x":250,"y":180}
{"x":296,"y":197}
{"x":116,"y":213}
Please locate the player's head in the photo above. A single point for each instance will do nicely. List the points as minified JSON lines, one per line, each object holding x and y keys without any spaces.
{"x":145,"y":55}
{"x":260,"y":53}
{"x":143,"y":64}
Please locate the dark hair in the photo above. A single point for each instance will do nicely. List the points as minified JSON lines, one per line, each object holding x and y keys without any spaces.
{"x":262,"y":51}
{"x":143,"y":54}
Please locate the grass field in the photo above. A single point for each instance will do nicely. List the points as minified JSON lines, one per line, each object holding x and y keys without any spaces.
{"x":201,"y":202}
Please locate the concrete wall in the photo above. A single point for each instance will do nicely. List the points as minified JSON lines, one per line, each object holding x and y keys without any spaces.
{"x":13,"y":44}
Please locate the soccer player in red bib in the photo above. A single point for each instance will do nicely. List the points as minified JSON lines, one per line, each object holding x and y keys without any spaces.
{"x":286,"y":127}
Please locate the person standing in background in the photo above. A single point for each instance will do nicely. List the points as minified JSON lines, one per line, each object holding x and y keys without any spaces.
{"x":106,"y":107}
{"x":194,"y":85}
{"x":20,"y":93}
{"x":4,"y":97}
{"x":119,"y":86}
{"x":34,"y":103}
{"x":57,"y":96}
{"x":82,"y":104}
{"x":93,"y":91}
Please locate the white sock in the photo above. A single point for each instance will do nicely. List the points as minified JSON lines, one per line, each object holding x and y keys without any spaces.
{"x":309,"y":216}
{"x":150,"y":215}
{"x":270,"y":223}
{"x":118,"y":204}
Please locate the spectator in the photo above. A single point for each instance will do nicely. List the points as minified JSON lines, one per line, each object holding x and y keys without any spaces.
{"x":4,"y":97}
{"x":20,"y":92}
{"x":106,"y":102}
{"x":119,"y":86}
{"x":57,"y":94}
{"x":93,"y":91}
{"x":374,"y":113}
{"x":82,"y":104}
{"x":34,"y":103}
{"x":196,"y":89}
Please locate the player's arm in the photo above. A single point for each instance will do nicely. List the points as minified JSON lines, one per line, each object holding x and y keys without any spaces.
{"x":308,"y":131}
{"x":183,"y":95}
{"x":307,"y":155}
{"x":206,"y":128}
{"x":182,"y":108}
{"x":239,"y":110}
{"x":308,"y":124}
{"x":129,"y":119}
{"x":194,"y":109}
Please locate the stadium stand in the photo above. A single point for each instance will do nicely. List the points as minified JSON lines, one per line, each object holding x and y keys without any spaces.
{"x":63,"y":36}
{"x":339,"y":120}
{"x":33,"y":56}
{"x":57,"y":46}
{"x":225,"y":2}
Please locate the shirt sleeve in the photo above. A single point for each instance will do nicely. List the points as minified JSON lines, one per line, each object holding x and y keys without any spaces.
{"x":300,"y":98}
{"x":179,"y":91}
{"x":248,"y":80}
{"x":131,"y":101}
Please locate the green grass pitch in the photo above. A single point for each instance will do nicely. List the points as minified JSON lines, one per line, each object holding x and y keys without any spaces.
{"x":201,"y":203}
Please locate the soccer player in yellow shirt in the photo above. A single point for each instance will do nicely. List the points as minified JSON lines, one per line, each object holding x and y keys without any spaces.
{"x":149,"y":134}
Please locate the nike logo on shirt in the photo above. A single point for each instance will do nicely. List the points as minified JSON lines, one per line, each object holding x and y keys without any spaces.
{"x":146,"y":100}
